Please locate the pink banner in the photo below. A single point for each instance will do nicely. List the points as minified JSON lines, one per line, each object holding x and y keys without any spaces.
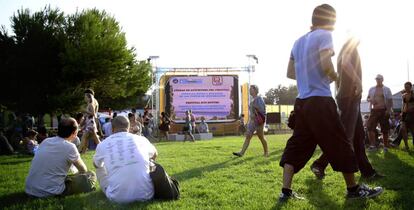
{"x":210,"y":97}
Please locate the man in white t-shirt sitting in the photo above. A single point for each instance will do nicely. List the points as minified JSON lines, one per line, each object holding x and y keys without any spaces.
{"x":122,"y":164}
{"x":49,"y":169}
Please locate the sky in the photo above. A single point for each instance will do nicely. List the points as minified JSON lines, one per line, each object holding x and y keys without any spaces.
{"x":220,"y":33}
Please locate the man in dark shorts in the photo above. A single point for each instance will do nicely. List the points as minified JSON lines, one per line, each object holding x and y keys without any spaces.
{"x":348,"y":98}
{"x":380,"y":99}
{"x":317,"y":121}
{"x":407,"y":121}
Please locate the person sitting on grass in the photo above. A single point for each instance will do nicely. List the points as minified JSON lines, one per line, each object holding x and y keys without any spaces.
{"x":203,"y":126}
{"x":5,"y":146}
{"x":122,"y":164}
{"x":29,"y":142}
{"x":42,"y":134}
{"x":48,"y":175}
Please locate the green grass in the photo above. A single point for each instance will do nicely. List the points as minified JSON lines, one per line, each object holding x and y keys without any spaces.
{"x":211,"y":178}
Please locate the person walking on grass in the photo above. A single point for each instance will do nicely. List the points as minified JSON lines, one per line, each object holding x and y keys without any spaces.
{"x":316,"y":118}
{"x":48,"y":175}
{"x":348,"y":98}
{"x":188,"y":128}
{"x":257,"y":118}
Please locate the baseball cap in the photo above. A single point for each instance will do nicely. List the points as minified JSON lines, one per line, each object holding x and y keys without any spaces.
{"x":379,"y":76}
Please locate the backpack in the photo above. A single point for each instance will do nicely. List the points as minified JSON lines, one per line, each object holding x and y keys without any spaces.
{"x":165,"y":187}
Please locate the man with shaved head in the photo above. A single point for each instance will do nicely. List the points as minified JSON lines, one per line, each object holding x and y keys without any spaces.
{"x":122,"y":164}
{"x":51,"y":163}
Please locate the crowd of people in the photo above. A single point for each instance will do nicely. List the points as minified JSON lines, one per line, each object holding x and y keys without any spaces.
{"x":123,"y":151}
{"x":336,"y":126}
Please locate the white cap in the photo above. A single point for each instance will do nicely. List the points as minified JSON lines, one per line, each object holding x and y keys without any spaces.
{"x":379,"y":76}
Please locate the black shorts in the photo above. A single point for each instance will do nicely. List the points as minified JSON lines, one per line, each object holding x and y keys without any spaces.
{"x":317,"y":123}
{"x":379,"y":116}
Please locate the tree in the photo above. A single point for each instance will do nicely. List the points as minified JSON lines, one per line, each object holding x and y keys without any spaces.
{"x":96,"y":52}
{"x":51,"y":58}
{"x":281,"y":95}
{"x":33,"y":64}
{"x":6,"y":56}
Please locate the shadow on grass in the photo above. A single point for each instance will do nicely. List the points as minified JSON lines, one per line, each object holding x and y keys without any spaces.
{"x":15,"y":162}
{"x":395,"y":170}
{"x":323,"y":200}
{"x":14,"y":198}
{"x":92,"y":200}
{"x":197,"y":172}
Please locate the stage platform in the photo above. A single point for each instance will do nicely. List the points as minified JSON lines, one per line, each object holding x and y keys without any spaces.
{"x":197,"y":136}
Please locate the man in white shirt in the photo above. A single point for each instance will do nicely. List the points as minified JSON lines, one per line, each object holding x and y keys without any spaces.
{"x":122,"y":164}
{"x":49,"y":169}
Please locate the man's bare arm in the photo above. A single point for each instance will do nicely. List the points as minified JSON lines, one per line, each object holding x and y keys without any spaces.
{"x":327,"y":65}
{"x":80,"y":165}
{"x":291,"y":74}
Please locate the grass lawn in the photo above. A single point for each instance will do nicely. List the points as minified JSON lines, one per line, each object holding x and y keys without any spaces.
{"x":211,"y":178}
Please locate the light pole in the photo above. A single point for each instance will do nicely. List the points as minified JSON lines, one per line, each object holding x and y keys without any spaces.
{"x":251,"y":65}
{"x":154,"y":86}
{"x":252,"y":60}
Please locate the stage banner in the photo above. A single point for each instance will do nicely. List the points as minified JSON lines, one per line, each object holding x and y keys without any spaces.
{"x":211,"y":97}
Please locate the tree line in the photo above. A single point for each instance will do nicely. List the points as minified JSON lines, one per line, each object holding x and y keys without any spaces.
{"x":50,"y":58}
{"x":281,"y":95}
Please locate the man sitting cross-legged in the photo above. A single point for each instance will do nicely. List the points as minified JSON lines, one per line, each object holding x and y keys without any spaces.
{"x":122,"y":164}
{"x":48,"y":174}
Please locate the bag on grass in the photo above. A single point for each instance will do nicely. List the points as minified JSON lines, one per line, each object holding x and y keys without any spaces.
{"x":165,"y":187}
